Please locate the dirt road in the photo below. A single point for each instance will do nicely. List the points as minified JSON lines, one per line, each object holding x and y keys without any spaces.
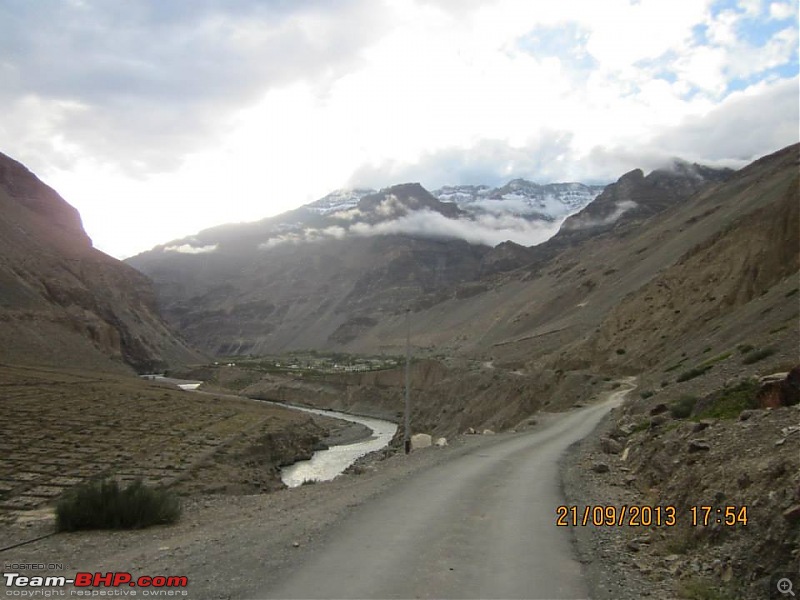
{"x":482,"y":525}
{"x":484,"y":507}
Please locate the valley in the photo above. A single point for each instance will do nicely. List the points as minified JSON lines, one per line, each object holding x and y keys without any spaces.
{"x":682,"y":282}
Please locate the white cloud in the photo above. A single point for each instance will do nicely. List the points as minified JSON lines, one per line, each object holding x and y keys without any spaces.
{"x":213,"y":112}
{"x":488,"y":230}
{"x":586,"y":222}
{"x":189,"y":249}
{"x":781,"y":11}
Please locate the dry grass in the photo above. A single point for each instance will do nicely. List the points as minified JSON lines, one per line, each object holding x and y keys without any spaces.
{"x":62,"y":428}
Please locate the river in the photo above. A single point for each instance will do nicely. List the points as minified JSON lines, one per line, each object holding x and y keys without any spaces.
{"x":324,"y":465}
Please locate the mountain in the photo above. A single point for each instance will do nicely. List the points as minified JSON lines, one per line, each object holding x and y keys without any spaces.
{"x":520,"y":197}
{"x":264,"y":287}
{"x":321,"y":274}
{"x":336,"y":274}
{"x":635,"y":196}
{"x":689,"y":299}
{"x":61,"y":301}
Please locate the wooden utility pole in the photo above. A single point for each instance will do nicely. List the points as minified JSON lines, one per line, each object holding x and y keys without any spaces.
{"x":407,"y":427}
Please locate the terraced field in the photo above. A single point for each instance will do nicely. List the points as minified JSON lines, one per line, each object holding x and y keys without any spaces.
{"x":59,"y":428}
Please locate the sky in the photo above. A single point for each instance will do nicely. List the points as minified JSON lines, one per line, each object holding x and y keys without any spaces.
{"x":157,"y":119}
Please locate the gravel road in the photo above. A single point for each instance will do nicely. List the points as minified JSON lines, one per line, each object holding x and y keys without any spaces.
{"x":481,"y":525}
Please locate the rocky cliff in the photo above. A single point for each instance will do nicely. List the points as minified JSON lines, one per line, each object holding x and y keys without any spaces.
{"x":61,"y":301}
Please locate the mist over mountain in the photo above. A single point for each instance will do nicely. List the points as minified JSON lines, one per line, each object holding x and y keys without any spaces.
{"x":520,"y":211}
{"x":328,"y":273}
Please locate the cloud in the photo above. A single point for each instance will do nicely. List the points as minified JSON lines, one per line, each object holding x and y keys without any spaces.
{"x":189,"y":249}
{"x":142,"y":83}
{"x":489,"y":161}
{"x":211,"y":110}
{"x":584,"y":221}
{"x":741,"y":128}
{"x":744,"y":127}
{"x":486,"y":229}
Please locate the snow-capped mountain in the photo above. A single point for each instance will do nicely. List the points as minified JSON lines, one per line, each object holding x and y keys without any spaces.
{"x":519,"y":198}
{"x":522,"y":198}
{"x":339,"y":200}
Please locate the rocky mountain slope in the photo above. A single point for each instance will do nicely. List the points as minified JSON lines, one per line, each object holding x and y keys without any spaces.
{"x":61,"y":301}
{"x":700,"y":287}
{"x":325,"y":275}
{"x":321,"y":275}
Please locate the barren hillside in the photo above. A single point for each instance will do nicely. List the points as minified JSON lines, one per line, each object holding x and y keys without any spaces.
{"x":61,"y":301}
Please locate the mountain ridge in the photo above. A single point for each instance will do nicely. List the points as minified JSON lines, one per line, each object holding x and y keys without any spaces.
{"x":327,"y":287}
{"x":62,"y":302}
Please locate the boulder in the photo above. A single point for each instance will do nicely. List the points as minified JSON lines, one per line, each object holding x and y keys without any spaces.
{"x":783,"y":392}
{"x":659,"y":409}
{"x":698,"y":446}
{"x":792,"y":513}
{"x":659,"y":419}
{"x":421,"y":440}
{"x":610,"y":445}
{"x":746,"y":415}
{"x":488,"y":432}
{"x":441,"y":442}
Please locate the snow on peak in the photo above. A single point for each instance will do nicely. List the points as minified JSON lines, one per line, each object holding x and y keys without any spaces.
{"x":339,"y":200}
{"x":521,"y":197}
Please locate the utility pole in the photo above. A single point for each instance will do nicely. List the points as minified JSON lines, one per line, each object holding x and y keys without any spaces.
{"x":407,"y":428}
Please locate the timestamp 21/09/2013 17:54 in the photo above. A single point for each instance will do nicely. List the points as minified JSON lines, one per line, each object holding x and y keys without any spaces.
{"x":647,"y":516}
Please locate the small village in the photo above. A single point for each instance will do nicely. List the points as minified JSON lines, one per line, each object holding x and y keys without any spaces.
{"x":316,"y":362}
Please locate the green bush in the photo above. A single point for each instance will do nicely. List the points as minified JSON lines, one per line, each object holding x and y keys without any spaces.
{"x":744,"y":348}
{"x":715,"y":360}
{"x":683,"y":407}
{"x":103,"y":504}
{"x":731,"y":401}
{"x":700,"y":589}
{"x":757,"y":355}
{"x":646,"y":394}
{"x":692,"y":373}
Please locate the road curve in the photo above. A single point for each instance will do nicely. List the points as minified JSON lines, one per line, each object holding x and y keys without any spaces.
{"x":479,"y":526}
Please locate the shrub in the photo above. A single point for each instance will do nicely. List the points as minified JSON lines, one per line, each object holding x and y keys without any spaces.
{"x":729,"y":402}
{"x":716,"y":359}
{"x":757,"y":355}
{"x":692,"y":373}
{"x":700,"y":589}
{"x":744,"y":348}
{"x":102,"y":504}
{"x":646,"y":394}
{"x":683,"y":407}
{"x":620,"y":351}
